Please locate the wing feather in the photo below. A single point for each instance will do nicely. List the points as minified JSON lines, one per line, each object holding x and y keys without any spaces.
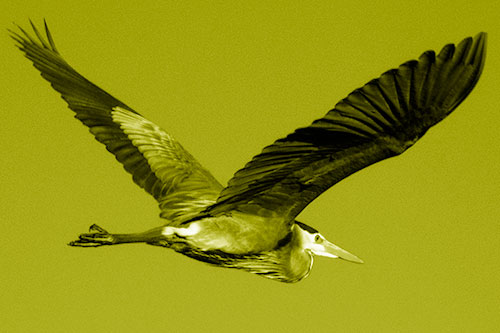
{"x":157,"y":162}
{"x":379,"y":120}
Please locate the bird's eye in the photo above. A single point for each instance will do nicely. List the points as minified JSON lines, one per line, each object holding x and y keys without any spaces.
{"x":318,"y":239}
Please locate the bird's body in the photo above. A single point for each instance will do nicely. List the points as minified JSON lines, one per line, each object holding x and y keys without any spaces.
{"x":250,"y":224}
{"x":236,"y":233}
{"x":284,"y":260}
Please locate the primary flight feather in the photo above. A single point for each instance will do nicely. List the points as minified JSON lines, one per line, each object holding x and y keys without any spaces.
{"x":250,"y":224}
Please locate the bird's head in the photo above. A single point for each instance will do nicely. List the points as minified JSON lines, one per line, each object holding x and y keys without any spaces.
{"x":315,"y":243}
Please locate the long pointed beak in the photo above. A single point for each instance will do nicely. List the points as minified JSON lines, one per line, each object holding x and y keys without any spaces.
{"x":333,"y":251}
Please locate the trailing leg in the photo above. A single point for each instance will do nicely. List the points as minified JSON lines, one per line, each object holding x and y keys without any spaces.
{"x":98,"y":236}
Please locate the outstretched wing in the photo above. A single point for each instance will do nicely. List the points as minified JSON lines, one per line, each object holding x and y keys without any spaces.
{"x":379,"y":120}
{"x":157,"y":162}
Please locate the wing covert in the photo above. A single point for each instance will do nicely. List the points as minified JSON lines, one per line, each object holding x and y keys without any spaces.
{"x":156,"y":161}
{"x":379,"y":120}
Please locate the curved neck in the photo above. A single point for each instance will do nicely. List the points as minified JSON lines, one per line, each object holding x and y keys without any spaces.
{"x":299,"y":261}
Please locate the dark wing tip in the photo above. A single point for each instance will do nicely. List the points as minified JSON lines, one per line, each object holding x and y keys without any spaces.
{"x":473,"y":58}
{"x":49,"y":37}
{"x":24,"y":38}
{"x":447,"y":52}
{"x":478,"y":51}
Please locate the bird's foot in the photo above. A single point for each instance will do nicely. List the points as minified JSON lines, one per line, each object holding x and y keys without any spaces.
{"x":96,"y":237}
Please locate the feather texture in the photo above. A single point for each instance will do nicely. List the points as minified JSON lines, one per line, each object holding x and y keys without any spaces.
{"x":379,"y":120}
{"x":156,"y":161}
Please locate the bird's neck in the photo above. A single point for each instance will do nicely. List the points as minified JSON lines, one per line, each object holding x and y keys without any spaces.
{"x":299,"y":261}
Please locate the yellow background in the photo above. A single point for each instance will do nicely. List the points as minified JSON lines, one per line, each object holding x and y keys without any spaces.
{"x":227,"y":78}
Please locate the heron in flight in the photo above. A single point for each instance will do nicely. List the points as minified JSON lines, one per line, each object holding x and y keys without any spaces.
{"x":250,"y":224}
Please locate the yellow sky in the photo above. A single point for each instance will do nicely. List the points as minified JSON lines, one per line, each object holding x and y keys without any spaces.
{"x":227,"y":78}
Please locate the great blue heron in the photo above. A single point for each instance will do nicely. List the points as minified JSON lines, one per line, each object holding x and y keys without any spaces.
{"x":250,"y":224}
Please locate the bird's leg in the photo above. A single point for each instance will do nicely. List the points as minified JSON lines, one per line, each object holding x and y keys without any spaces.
{"x":97,"y":236}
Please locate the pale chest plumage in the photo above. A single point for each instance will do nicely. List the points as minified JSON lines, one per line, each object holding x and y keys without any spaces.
{"x":236,"y":233}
